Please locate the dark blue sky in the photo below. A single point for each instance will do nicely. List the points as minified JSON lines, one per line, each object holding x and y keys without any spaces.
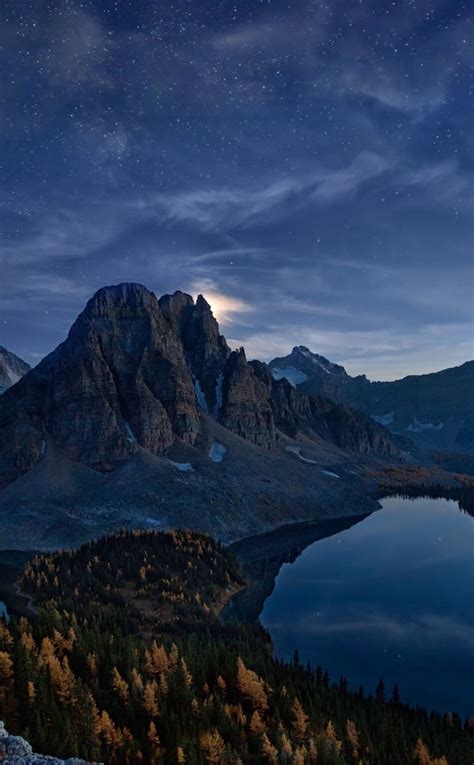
{"x":306,"y":165}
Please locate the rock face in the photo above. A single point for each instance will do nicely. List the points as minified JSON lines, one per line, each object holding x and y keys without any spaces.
{"x":296,"y":412}
{"x":205,"y":349}
{"x":12,"y":368}
{"x":434,"y":410}
{"x":135,"y":372}
{"x":15,"y":750}
{"x":246,"y":401}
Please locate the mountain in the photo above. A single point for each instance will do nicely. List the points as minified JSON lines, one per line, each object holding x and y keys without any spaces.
{"x":12,"y":368}
{"x":152,"y":383}
{"x":434,"y":410}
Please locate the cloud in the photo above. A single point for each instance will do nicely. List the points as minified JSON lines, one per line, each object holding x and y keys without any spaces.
{"x":244,"y":206}
{"x":224,"y":307}
{"x":391,"y":89}
{"x":372,"y":621}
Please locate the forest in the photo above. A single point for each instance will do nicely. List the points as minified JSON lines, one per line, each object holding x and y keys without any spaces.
{"x":125,"y":660}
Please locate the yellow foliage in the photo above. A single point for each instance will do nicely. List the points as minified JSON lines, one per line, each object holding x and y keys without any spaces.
{"x":252,"y":686}
{"x":150,"y":702}
{"x":212,"y":747}
{"x":300,"y":720}
{"x":31,"y":692}
{"x":120,"y":685}
{"x":257,"y":726}
{"x":269,"y":752}
{"x":153,"y":737}
{"x":6,"y":674}
{"x":353,"y":738}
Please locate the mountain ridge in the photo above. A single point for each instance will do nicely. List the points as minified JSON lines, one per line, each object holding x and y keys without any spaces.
{"x":217,"y":443}
{"x":128,"y":373}
{"x":436,"y":409}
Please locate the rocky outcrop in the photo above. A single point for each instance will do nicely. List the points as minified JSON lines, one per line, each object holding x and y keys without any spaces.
{"x":246,"y":407}
{"x":119,"y":379}
{"x":135,"y":372}
{"x":205,"y":348}
{"x":295,"y":412}
{"x":12,"y":369}
{"x":15,"y":750}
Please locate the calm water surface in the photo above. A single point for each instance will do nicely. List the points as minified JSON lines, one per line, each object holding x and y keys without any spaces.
{"x":393,"y":597}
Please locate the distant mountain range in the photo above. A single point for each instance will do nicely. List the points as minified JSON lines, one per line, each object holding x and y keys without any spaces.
{"x":435,"y":410}
{"x":145,"y":410}
{"x":12,"y":369}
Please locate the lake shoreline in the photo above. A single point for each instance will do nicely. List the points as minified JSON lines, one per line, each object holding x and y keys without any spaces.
{"x":377,"y":600}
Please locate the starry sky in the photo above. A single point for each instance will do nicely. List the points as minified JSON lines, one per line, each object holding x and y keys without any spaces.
{"x":308,"y":166}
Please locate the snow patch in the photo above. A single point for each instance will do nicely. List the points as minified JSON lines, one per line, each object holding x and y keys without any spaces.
{"x":130,"y":434}
{"x":13,"y":377}
{"x":184,"y":467}
{"x":218,"y":404}
{"x":153,"y":523}
{"x":318,"y":361}
{"x":294,"y":376}
{"x":296,"y":450}
{"x":329,"y":472}
{"x":419,"y":427}
{"x":383,"y":419}
{"x":217,"y":452}
{"x":200,"y":397}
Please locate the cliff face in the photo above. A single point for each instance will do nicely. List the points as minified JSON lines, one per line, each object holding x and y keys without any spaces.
{"x":246,"y":406}
{"x":136,"y":371}
{"x":205,"y":348}
{"x":296,"y":412}
{"x":119,"y":379}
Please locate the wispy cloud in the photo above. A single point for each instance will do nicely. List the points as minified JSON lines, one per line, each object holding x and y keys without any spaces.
{"x":243,"y":206}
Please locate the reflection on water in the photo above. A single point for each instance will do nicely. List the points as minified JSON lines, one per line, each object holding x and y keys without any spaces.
{"x":392,"y":597}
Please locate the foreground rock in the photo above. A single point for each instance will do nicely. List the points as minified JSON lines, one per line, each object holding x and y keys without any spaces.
{"x":15,"y":750}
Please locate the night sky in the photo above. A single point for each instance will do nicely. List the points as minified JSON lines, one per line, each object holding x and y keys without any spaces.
{"x":307,"y":166}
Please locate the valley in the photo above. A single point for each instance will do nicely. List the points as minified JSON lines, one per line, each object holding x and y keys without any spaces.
{"x":93,"y":653}
{"x":158,"y":492}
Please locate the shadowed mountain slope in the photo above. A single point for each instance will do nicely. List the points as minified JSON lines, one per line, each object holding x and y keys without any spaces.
{"x":434,"y":410}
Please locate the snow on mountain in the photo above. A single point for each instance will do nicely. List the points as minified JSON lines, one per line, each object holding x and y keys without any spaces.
{"x":12,"y":369}
{"x":294,"y":376}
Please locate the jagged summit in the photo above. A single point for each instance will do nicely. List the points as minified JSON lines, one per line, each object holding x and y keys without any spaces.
{"x":138,"y":371}
{"x":302,"y":365}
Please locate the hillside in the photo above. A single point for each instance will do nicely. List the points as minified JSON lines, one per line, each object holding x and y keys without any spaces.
{"x":101,"y":675}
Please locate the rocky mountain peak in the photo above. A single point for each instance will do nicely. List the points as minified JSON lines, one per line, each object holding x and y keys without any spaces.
{"x":302,"y":365}
{"x":12,"y":369}
{"x":129,"y":297}
{"x":317,"y":361}
{"x":135,"y":372}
